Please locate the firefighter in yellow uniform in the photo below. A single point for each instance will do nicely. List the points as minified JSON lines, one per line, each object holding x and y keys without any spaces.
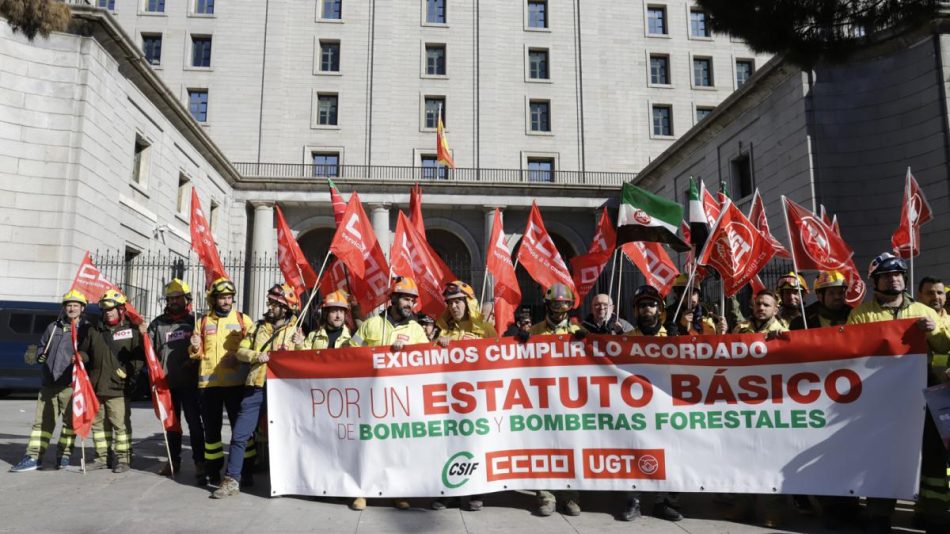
{"x":694,"y":318}
{"x":891,"y":301}
{"x":791,"y":290}
{"x":764,"y":316}
{"x":221,"y":376}
{"x":333,"y":332}
{"x":395,"y":327}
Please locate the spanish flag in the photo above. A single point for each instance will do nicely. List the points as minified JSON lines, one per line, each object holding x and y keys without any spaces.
{"x":443,"y":154}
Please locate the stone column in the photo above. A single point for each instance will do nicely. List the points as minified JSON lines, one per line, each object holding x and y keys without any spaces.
{"x":263,"y":245}
{"x":380,"y":218}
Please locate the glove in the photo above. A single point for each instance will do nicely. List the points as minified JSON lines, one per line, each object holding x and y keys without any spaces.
{"x":522,"y":336}
{"x":580,"y":335}
{"x":119,"y":372}
{"x":30,"y":355}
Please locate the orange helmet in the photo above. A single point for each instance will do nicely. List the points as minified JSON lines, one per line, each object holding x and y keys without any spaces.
{"x":457,"y":290}
{"x":285,"y":295}
{"x":404,"y":285}
{"x":337,"y":299}
{"x":792,"y":281}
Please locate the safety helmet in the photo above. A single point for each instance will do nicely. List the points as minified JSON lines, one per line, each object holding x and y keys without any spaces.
{"x":337,"y":299}
{"x":111,"y":299}
{"x":405,"y":286}
{"x":457,"y":290}
{"x":74,"y":296}
{"x":424,"y":319}
{"x":886,"y":263}
{"x":646,"y":292}
{"x":830,"y":279}
{"x":680,"y":280}
{"x":222,"y":286}
{"x":559,"y":293}
{"x":284,"y":294}
{"x":792,"y":281}
{"x":177,"y":288}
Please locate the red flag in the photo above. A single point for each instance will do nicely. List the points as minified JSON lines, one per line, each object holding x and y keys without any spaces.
{"x":507,"y":292}
{"x":415,"y":218}
{"x":410,"y":257}
{"x":814,"y":244}
{"x":711,"y":206}
{"x":834,"y":225}
{"x":339,"y":205}
{"x":757,"y":285}
{"x":655,"y":264}
{"x":202,"y":242}
{"x":540,"y":257}
{"x":736,"y":249}
{"x":915,"y":211}
{"x":293,"y":264}
{"x":161,"y":395}
{"x":84,"y":400}
{"x":356,"y":246}
{"x":442,"y":153}
{"x":92,"y":284}
{"x":587,"y":268}
{"x":761,"y":222}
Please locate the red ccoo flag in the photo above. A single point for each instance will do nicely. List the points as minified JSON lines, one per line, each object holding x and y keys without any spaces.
{"x":915,"y":211}
{"x":356,"y":246}
{"x":202,"y":242}
{"x":587,"y":268}
{"x":814,"y":244}
{"x":85,"y":404}
{"x":655,"y":264}
{"x":499,"y":264}
{"x":540,"y":257}
{"x":293,"y":264}
{"x":736,"y":249}
{"x":410,"y":257}
{"x":761,"y":222}
{"x":339,"y":205}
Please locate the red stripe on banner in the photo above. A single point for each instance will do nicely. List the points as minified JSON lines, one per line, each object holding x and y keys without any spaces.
{"x":888,"y":339}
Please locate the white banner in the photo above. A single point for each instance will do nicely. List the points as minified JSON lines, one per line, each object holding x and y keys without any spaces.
{"x":821,"y":412}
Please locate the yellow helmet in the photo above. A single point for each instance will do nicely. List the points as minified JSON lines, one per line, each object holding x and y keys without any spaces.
{"x":680,"y":280}
{"x":111,"y":299}
{"x":74,"y":296}
{"x":830,"y":279}
{"x":337,"y":299}
{"x":177,"y":288}
{"x":792,"y":281}
{"x":222,"y":286}
{"x":457,"y":290}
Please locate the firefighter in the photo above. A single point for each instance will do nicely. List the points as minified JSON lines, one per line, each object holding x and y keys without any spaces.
{"x":221,"y":375}
{"x":332,"y":332}
{"x":113,"y":347}
{"x":648,"y":321}
{"x":428,"y":324}
{"x":887,"y":275}
{"x":274,"y":332}
{"x":931,"y":292}
{"x":694,"y":318}
{"x":791,"y":290}
{"x":171,"y":335}
{"x":830,"y":309}
{"x":54,"y":401}
{"x":394,"y":328}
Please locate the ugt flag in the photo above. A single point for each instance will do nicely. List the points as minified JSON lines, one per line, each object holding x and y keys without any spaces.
{"x":736,"y":249}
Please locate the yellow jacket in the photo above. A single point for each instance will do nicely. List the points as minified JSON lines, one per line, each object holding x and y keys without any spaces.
{"x":220,"y":339}
{"x":318,"y":339}
{"x":707,"y":322}
{"x":263,"y":338}
{"x":545,"y":328}
{"x":772,"y":325}
{"x":370,"y":333}
{"x":940,"y":360}
{"x":473,"y":327}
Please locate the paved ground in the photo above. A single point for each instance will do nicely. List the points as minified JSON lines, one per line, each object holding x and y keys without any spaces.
{"x":141,"y":501}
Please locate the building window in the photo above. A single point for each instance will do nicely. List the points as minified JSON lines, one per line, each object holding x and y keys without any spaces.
{"x":152,"y":48}
{"x":540,"y":115}
{"x":659,"y":70}
{"x":140,"y":161}
{"x":106,"y":4}
{"x":435,"y":11}
{"x":656,"y":20}
{"x":432,"y":169}
{"x":702,"y":112}
{"x":204,"y":7}
{"x":329,"y":56}
{"x":332,"y":9}
{"x":435,"y":59}
{"x":432,"y":105}
{"x":697,"y":23}
{"x":200,"y":51}
{"x":742,"y":182}
{"x":662,"y":120}
{"x":181,"y":205}
{"x":326,"y":164}
{"x":744,"y":70}
{"x":538,"y":64}
{"x":214,"y":213}
{"x":537,"y":13}
{"x":326,"y":109}
{"x":540,"y":170}
{"x":153,"y":6}
{"x":702,"y":72}
{"x":198,"y":104}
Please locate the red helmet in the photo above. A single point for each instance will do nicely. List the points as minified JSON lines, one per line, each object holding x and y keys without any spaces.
{"x":285,"y":295}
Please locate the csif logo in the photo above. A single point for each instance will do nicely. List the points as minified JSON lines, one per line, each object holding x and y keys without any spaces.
{"x":458,"y":469}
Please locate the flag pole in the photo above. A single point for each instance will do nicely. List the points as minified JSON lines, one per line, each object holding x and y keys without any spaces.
{"x":481,"y":301}
{"x":613,"y":269}
{"x":171,"y":464}
{"x":686,"y":290}
{"x":619,"y":283}
{"x":82,"y":456}
{"x":910,"y":228}
{"x":313,"y":290}
{"x":788,"y":228}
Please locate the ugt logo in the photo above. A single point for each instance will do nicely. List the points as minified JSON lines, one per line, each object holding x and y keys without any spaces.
{"x":458,"y":469}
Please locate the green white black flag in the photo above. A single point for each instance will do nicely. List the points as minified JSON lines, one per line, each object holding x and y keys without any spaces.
{"x":644,"y":216}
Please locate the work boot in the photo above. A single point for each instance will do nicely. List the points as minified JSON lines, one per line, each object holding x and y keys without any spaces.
{"x":631,"y":510}
{"x":571,"y":508}
{"x":121,"y":467}
{"x":99,"y":463}
{"x":358,"y":504}
{"x":229,"y":487}
{"x":475,"y":503}
{"x":26,"y":464}
{"x":546,"y":508}
{"x":401,"y":504}
{"x":438,"y":505}
{"x":666,"y":511}
{"x":167,"y":468}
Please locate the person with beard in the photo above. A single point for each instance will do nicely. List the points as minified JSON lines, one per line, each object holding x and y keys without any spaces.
{"x":220,"y":375}
{"x":602,"y":319}
{"x":332,"y":332}
{"x":113,"y":347}
{"x":764,"y":316}
{"x":694,"y":318}
{"x":931,"y":292}
{"x":791,"y":289}
{"x":274,"y":332}
{"x":891,"y":301}
{"x":54,"y":401}
{"x":521,"y":325}
{"x":648,"y":319}
{"x":830,"y":309}
{"x":394,"y":328}
{"x":171,"y":334}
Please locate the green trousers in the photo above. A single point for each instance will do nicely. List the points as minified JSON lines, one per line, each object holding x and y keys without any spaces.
{"x":53,"y":402}
{"x":113,"y":427}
